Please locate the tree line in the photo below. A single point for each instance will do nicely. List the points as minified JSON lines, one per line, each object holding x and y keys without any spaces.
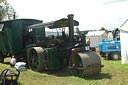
{"x":77,"y":30}
{"x":6,"y":11}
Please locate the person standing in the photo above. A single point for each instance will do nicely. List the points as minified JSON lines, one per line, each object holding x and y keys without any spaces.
{"x":88,"y":41}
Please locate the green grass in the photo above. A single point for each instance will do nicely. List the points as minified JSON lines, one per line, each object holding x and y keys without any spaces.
{"x":113,"y":73}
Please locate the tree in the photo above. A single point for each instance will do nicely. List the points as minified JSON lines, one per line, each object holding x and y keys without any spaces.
{"x":6,"y":10}
{"x":78,"y":31}
{"x":1,"y":1}
{"x":103,"y":29}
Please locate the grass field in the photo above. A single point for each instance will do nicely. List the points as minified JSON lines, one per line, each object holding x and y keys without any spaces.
{"x":113,"y":73}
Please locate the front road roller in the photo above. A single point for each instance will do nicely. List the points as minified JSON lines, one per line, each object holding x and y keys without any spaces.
{"x":85,"y":64}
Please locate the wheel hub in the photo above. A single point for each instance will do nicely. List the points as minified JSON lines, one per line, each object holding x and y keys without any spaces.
{"x":116,"y":56}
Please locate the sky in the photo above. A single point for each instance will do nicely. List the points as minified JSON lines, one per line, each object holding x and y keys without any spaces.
{"x":91,"y":14}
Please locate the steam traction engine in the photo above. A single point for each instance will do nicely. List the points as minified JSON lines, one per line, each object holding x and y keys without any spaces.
{"x":26,"y":40}
{"x":48,"y":53}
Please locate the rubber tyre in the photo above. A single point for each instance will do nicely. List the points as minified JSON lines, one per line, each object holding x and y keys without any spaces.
{"x":115,"y":56}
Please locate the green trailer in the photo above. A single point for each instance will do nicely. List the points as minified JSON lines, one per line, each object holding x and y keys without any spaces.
{"x":14,"y":36}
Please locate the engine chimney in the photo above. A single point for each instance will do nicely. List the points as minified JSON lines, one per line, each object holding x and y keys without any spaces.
{"x":71,"y":25}
{"x":14,"y":15}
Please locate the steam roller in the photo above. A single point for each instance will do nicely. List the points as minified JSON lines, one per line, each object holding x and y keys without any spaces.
{"x":85,"y":64}
{"x":49,"y":53}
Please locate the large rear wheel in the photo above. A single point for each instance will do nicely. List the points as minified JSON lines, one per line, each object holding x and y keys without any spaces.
{"x":35,"y":59}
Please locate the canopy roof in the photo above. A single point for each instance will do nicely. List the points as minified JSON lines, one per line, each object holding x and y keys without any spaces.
{"x":96,"y":37}
{"x":54,"y":24}
{"x":124,"y":26}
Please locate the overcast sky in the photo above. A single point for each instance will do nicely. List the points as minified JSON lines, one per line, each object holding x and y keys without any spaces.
{"x":91,"y":14}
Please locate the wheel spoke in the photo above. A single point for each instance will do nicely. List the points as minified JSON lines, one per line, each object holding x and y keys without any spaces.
{"x":33,"y":59}
{"x":75,"y":71}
